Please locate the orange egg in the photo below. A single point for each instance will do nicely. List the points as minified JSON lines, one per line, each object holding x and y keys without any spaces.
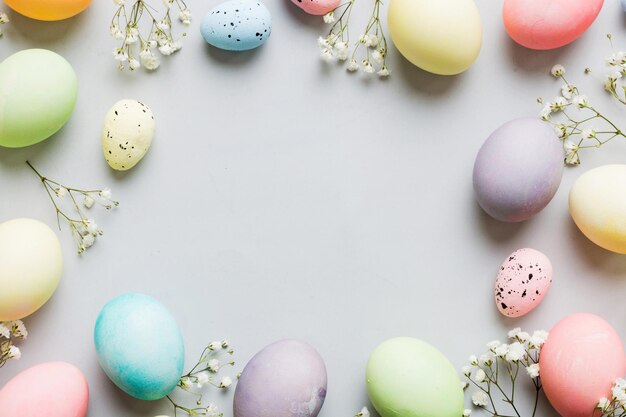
{"x":48,"y":9}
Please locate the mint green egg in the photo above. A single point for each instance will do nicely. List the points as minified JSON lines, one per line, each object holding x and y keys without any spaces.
{"x":38,"y":90}
{"x":410,"y":378}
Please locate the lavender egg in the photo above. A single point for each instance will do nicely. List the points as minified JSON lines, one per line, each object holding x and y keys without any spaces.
{"x":285,"y":379}
{"x":518,"y":170}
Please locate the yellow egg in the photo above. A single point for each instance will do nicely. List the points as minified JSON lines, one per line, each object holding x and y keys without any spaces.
{"x":597,"y":203}
{"x":440,"y":36}
{"x":31,"y":263}
{"x":48,"y":9}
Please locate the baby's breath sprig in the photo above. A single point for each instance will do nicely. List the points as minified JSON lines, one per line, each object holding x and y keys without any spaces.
{"x":214,"y":358}
{"x":10,"y":331}
{"x":84,"y":229}
{"x":365,"y":412}
{"x":494,"y":373}
{"x":616,"y":405}
{"x":4,"y":19}
{"x":614,"y":80}
{"x":138,"y":48}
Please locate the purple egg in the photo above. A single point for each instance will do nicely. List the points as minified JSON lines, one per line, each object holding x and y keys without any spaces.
{"x":518,"y":170}
{"x":285,"y":379}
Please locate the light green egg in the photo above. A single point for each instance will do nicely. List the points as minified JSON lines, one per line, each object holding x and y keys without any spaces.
{"x":410,"y":378}
{"x":38,"y":90}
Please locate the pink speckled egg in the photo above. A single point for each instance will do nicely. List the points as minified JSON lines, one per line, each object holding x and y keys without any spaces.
{"x":548,"y":24}
{"x":317,"y":7}
{"x":52,"y":389}
{"x":579,"y":364}
{"x":522,"y":282}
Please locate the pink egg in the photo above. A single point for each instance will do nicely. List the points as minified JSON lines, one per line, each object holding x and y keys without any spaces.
{"x":579,"y":364}
{"x":317,"y":7}
{"x":522,"y":282}
{"x":548,"y":24}
{"x":53,"y":389}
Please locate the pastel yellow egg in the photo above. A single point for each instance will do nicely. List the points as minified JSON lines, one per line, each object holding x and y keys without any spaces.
{"x":48,"y":9}
{"x":440,"y":36}
{"x":597,"y":204}
{"x":31,"y":263}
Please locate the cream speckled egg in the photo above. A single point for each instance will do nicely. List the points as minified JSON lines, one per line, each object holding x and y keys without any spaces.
{"x":127,"y":134}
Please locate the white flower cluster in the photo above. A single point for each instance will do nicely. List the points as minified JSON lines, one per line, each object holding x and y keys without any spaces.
{"x":4,"y":19}
{"x":613,"y":81}
{"x":365,"y":412}
{"x":10,"y":331}
{"x":138,"y":50}
{"x":616,"y":405}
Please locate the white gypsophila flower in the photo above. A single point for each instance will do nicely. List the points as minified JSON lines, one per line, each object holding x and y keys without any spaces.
{"x":353,"y":65}
{"x":185,"y":17}
{"x":571,"y":155}
{"x":92,"y":227}
{"x":533,"y":370}
{"x":545,"y":113}
{"x":501,"y":350}
{"x":323,"y":42}
{"x":567,"y":91}
{"x":516,"y":352}
{"x":589,"y":133}
{"x":163,"y":25}
{"x":225,"y":382}
{"x":486,"y":359}
{"x":132,"y":35}
{"x":372,"y":41}
{"x":480,"y":376}
{"x":88,"y":241}
{"x":561,"y":132}
{"x":523,"y":336}
{"x":4,"y":331}
{"x":557,"y":70}
{"x":619,"y":395}
{"x":327,"y":55}
{"x":367,"y":67}
{"x":203,"y":378}
{"x":150,"y":63}
{"x":120,"y":54}
{"x":4,"y":18}
{"x":133,"y":64}
{"x":105,"y":193}
{"x":538,"y":338}
{"x":215,"y":345}
{"x":166,"y":49}
{"x":213,"y":365}
{"x":620,"y":383}
{"x":14,"y":352}
{"x":473,"y":360}
{"x":467,"y":412}
{"x":493,"y":345}
{"x":168,"y":3}
{"x":185,"y":383}
{"x":479,"y":399}
{"x":212,"y":411}
{"x":88,"y":202}
{"x":464,"y":385}
{"x":514,"y":332}
{"x":384,"y":72}
{"x":467,"y":370}
{"x":558,"y":104}
{"x":378,"y":57}
{"x":61,"y":192}
{"x":341,"y":50}
{"x":118,"y":2}
{"x":329,"y":18}
{"x":581,"y":101}
{"x":19,"y":329}
{"x":365,"y":412}
{"x":603,"y":404}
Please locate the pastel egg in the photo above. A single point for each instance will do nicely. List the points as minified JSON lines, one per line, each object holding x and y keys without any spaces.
{"x":53,"y":389}
{"x":31,"y":263}
{"x":285,"y":379}
{"x":407,"y":377}
{"x":518,"y":170}
{"x":139,"y":346}
{"x":48,"y":9}
{"x":597,"y":204}
{"x":523,"y":280}
{"x":38,"y":90}
{"x":127,"y":134}
{"x":237,"y":25}
{"x":548,"y":24}
{"x":443,"y":37}
{"x":579,"y":364}
{"x":317,"y":7}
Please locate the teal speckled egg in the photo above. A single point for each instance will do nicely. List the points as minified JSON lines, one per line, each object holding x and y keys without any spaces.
{"x":139,"y":346}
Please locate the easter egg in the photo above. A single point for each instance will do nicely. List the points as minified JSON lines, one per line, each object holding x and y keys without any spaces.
{"x":443,"y":37}
{"x":31,"y":263}
{"x":237,"y":25}
{"x":522,"y":282}
{"x":139,"y":346}
{"x":548,"y":24}
{"x":410,"y":378}
{"x":317,"y":7}
{"x":38,"y":90}
{"x":597,"y":203}
{"x":285,"y":379}
{"x":518,"y":170}
{"x":52,"y":389}
{"x":579,"y":363}
{"x":127,"y":134}
{"x":48,"y":9}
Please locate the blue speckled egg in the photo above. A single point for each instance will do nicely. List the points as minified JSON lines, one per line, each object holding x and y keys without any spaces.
{"x":237,"y":25}
{"x":139,"y":346}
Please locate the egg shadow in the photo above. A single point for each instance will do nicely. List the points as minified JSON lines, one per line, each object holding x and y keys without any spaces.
{"x":535,"y":61}
{"x":233,"y":58}
{"x":111,"y":394}
{"x":15,"y":157}
{"x":422,"y":82}
{"x":496,"y":230}
{"x":44,"y":34}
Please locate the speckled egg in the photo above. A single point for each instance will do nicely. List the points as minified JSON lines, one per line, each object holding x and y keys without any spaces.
{"x":579,"y":363}
{"x":518,"y":170}
{"x":522,"y":282}
{"x":317,"y":7}
{"x":139,"y":346}
{"x":548,"y":24}
{"x":53,"y":389}
{"x":237,"y":25}
{"x":127,"y":134}
{"x":285,"y":379}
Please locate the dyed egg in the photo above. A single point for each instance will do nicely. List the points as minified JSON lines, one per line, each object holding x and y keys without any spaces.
{"x":523,"y":280}
{"x":579,"y":364}
{"x":518,"y":170}
{"x":548,"y":24}
{"x":31,"y":263}
{"x":443,"y":37}
{"x":597,"y":204}
{"x":38,"y":90}
{"x":139,"y":346}
{"x":410,"y":378}
{"x":237,"y":25}
{"x":127,"y":134}
{"x":48,"y":9}
{"x":53,"y":389}
{"x":285,"y":379}
{"x":317,"y":7}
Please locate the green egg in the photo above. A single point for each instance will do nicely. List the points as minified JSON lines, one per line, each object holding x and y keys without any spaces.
{"x":410,"y":378}
{"x":38,"y":90}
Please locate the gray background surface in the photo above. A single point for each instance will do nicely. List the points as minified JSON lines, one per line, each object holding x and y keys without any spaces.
{"x":283,"y":198}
